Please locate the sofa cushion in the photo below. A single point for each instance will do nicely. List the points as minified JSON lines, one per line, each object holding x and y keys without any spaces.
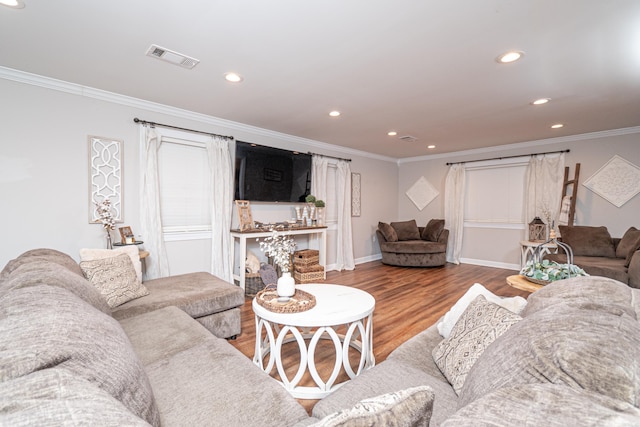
{"x":132,"y":251}
{"x":578,"y":348}
{"x":479,"y":326}
{"x":588,"y":241}
{"x":43,"y":272}
{"x":629,"y":241}
{"x":406,"y":230}
{"x":43,"y":327}
{"x":410,"y":407}
{"x":545,"y":405}
{"x":388,"y":232}
{"x":57,"y":397}
{"x":197,"y":294}
{"x":514,"y":304}
{"x":588,"y":293}
{"x":413,"y":247}
{"x":115,"y":278}
{"x":42,"y":254}
{"x":433,"y":230}
{"x":596,"y":265}
{"x":213,"y":383}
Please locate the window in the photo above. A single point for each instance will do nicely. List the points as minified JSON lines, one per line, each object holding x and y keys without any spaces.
{"x":184,"y":186}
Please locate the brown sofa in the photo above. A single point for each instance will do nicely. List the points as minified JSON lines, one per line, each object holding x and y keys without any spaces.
{"x":597,"y":253}
{"x":407,"y":245}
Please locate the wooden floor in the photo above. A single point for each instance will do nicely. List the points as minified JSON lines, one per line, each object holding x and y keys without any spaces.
{"x":408,"y":300}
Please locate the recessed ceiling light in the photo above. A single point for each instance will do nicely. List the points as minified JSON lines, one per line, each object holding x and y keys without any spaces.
{"x":334,"y":113}
{"x":392,"y":133}
{"x":233,"y":77}
{"x":541,"y":101}
{"x":431,"y":147}
{"x":557,"y":126}
{"x":16,"y":4}
{"x":508,"y":57}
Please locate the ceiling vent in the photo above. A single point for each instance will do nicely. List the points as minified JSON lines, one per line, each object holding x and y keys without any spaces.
{"x":171,"y":56}
{"x":408,"y":138}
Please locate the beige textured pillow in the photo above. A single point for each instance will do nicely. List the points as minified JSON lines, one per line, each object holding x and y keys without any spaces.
{"x":480,"y":325}
{"x":410,"y":407}
{"x":115,"y":278}
{"x":132,"y":251}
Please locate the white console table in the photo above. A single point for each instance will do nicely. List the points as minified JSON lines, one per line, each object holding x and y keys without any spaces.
{"x":320,"y":233}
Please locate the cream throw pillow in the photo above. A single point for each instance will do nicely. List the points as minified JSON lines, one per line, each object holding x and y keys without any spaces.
{"x":132,"y":251}
{"x":479,"y":326}
{"x":411,"y":407}
{"x":513,"y":304}
{"x":115,"y":278}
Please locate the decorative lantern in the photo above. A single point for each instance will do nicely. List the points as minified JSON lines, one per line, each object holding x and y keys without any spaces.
{"x":537,"y":230}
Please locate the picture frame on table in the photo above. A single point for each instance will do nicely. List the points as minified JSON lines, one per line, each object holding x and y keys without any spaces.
{"x":244,"y":215}
{"x":126,"y":235}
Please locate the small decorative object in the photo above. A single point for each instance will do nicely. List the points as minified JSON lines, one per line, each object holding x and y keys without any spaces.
{"x":319,"y":212}
{"x":537,"y":230}
{"x":355,"y":194}
{"x":244,"y":214}
{"x":618,"y":181}
{"x":126,"y":235}
{"x":545,"y":271}
{"x":106,"y":218}
{"x":421,"y":193}
{"x":280,"y":247}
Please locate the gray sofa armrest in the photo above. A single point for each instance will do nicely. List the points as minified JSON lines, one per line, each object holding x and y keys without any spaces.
{"x":634,"y":270}
{"x":444,"y":237}
{"x":381,"y":238}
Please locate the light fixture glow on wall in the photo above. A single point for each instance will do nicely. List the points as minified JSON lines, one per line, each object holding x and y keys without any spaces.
{"x":508,"y":57}
{"x":233,"y":77}
{"x":15,"y":4}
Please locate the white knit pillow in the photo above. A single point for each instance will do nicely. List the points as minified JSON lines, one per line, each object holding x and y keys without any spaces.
{"x":132,"y":251}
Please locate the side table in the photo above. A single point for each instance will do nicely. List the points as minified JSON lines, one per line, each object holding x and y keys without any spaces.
{"x":518,"y":281}
{"x":527,"y":247}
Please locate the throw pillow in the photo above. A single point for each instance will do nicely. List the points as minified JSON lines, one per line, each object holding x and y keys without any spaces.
{"x":409,"y":407}
{"x":406,"y":230}
{"x":115,"y":278}
{"x":513,"y":304}
{"x":132,"y":251}
{"x":388,"y":232}
{"x":629,"y":243}
{"x":480,"y":325}
{"x":433,"y":230}
{"x":588,"y":241}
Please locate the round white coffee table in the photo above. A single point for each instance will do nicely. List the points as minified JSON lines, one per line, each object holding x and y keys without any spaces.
{"x":336,"y":305}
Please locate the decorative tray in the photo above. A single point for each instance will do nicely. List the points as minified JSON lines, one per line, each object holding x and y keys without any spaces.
{"x":299,"y":302}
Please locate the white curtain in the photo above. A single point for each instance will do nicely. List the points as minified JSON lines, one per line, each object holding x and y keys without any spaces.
{"x":320,"y":169}
{"x":221,"y":207}
{"x":157,"y":264}
{"x":454,"y":210}
{"x":543,"y":188}
{"x":344,"y":253}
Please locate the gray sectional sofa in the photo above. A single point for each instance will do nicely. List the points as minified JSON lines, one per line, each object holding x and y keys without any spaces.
{"x":571,"y":359}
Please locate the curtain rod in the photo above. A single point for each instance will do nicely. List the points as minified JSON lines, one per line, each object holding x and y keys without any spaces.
{"x":329,"y":157}
{"x":152,"y":124}
{"x":510,"y":157}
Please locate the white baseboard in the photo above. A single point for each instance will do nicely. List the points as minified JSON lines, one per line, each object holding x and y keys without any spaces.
{"x":494,"y":264}
{"x":375,"y":257}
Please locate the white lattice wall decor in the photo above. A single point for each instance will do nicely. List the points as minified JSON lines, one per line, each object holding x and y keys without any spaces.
{"x":105,"y":176}
{"x":618,"y":181}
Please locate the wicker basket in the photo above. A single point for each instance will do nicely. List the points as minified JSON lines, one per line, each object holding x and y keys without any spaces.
{"x":306,"y":257}
{"x":252,"y":284}
{"x":309,"y":274}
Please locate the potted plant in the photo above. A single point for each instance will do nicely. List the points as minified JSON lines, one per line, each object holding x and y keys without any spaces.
{"x":545,"y":271}
{"x":280,"y":247}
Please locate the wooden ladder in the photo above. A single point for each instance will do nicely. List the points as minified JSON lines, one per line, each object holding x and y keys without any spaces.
{"x":574,"y":190}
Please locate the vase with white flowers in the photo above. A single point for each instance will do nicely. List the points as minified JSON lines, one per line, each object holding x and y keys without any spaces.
{"x":280,"y":247}
{"x":106,"y":218}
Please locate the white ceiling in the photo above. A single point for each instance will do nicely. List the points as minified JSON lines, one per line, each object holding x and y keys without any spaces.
{"x":425,"y":68}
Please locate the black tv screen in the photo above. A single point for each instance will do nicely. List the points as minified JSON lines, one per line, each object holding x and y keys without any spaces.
{"x":267,"y":174}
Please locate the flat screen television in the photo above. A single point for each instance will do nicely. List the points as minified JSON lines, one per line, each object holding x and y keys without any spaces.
{"x":267,"y":174}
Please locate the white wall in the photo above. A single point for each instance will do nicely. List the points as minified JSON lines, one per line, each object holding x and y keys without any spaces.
{"x":501,"y":248}
{"x":44,"y":189}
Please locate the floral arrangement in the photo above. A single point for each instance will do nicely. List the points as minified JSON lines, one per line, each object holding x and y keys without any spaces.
{"x":549,"y":271}
{"x":279,"y":247}
{"x":311,"y":199}
{"x":106,"y":217}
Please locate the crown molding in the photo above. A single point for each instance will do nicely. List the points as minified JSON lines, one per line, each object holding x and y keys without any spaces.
{"x":115,"y":98}
{"x":527,"y":144}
